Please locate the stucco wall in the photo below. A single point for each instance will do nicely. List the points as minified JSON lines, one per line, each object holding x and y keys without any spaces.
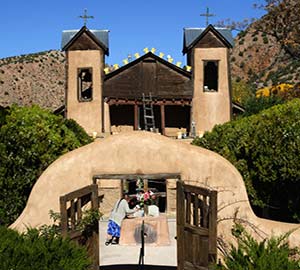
{"x":210,"y":108}
{"x":87,"y":114}
{"x":143,"y":152}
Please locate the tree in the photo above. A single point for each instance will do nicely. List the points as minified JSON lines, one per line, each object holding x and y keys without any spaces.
{"x":241,"y":91}
{"x":254,"y":105}
{"x":265,"y":148}
{"x":30,"y":140}
{"x":281,"y":22}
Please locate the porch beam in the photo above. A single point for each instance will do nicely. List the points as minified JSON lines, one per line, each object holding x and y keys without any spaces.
{"x":137,"y":176}
{"x":118,"y":101}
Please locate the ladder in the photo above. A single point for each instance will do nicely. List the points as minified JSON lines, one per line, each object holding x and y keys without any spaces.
{"x":148,"y":113}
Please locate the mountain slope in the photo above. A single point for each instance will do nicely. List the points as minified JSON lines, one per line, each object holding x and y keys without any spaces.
{"x":268,"y":51}
{"x":33,"y":79}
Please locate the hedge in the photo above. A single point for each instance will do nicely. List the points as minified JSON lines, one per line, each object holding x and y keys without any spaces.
{"x":265,"y":148}
{"x":32,"y":251}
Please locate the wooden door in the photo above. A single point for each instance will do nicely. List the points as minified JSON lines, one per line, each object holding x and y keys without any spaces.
{"x":196,"y":227}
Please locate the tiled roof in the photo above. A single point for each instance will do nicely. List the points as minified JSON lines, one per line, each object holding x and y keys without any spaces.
{"x":191,"y":34}
{"x":101,"y":35}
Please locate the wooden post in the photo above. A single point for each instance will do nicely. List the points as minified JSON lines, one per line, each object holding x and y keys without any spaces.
{"x":136,"y":117}
{"x":163,"y":119}
{"x":213,"y":226}
{"x":180,"y":225}
{"x":73,"y":219}
{"x":64,"y":216}
{"x":145,"y":185}
{"x":95,"y":237}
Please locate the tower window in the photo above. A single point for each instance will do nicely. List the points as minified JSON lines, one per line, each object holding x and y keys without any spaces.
{"x":211,"y":76}
{"x":85,"y":84}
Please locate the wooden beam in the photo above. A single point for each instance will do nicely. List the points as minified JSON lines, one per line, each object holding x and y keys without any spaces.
{"x":79,"y":193}
{"x":163,"y":119}
{"x":136,"y":176}
{"x":173,"y":102}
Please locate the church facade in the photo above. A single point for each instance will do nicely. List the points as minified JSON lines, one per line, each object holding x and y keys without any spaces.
{"x":181,"y":101}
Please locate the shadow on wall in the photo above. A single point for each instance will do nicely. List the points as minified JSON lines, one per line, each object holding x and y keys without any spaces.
{"x":136,"y":267}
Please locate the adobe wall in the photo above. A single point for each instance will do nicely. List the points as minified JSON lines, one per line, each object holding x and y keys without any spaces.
{"x":143,"y":152}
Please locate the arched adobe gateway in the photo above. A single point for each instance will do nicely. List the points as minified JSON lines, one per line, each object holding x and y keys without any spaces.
{"x":147,"y":153}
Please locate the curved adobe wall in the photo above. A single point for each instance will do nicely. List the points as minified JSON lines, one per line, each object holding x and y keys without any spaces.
{"x":145,"y":152}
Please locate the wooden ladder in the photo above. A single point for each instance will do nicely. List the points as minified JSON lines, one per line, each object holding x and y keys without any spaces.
{"x":148,"y":113}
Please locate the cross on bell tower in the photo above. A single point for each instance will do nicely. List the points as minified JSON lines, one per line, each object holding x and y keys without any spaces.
{"x":85,"y":17}
{"x":207,"y":15}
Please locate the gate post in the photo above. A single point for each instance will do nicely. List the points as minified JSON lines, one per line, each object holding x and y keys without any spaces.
{"x":213,"y":226}
{"x":180,"y":225}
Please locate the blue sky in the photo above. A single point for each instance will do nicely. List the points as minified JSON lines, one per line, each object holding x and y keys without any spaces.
{"x":36,"y":25}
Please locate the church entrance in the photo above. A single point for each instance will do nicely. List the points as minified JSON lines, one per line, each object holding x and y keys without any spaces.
{"x":169,"y":117}
{"x":194,"y":229}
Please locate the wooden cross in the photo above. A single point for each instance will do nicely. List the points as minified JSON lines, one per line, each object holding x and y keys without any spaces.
{"x":85,"y":17}
{"x":207,"y":15}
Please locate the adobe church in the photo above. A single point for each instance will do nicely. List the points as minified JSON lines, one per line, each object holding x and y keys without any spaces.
{"x":178,"y":100}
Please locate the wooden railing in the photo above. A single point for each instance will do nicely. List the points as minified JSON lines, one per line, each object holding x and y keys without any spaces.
{"x":71,"y":212}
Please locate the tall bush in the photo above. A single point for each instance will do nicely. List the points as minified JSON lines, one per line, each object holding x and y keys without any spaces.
{"x":32,"y":251}
{"x":265,"y":148}
{"x":30,"y":139}
{"x":269,"y":254}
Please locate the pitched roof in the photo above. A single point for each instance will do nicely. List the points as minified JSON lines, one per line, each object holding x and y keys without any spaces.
{"x":149,"y":73}
{"x":192,"y":35}
{"x":152,"y":55}
{"x":100,"y":36}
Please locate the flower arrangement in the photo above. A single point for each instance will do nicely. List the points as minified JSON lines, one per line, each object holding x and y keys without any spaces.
{"x":146,"y":198}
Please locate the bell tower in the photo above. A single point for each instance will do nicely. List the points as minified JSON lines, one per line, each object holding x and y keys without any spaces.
{"x":208,"y":53}
{"x":85,"y":52}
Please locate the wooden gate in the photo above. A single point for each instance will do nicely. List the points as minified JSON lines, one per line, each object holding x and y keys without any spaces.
{"x":71,"y":214}
{"x":196,"y":227}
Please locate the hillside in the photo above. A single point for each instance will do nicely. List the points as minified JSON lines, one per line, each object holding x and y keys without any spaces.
{"x":33,"y":79}
{"x":268,"y":51}
{"x":257,"y":57}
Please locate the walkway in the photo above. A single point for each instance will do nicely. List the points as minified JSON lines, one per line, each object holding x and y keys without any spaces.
{"x":129,"y":255}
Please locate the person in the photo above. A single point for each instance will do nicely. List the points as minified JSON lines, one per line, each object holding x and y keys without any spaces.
{"x":118,"y":213}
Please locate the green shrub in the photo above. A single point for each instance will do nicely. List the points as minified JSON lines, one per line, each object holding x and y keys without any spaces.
{"x":265,"y":149}
{"x":32,"y":251}
{"x":30,"y":140}
{"x":254,"y":105}
{"x":269,"y":254}
{"x":241,"y":91}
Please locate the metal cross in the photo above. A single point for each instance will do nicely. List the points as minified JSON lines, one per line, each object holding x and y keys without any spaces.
{"x":207,"y":15}
{"x":85,"y":17}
